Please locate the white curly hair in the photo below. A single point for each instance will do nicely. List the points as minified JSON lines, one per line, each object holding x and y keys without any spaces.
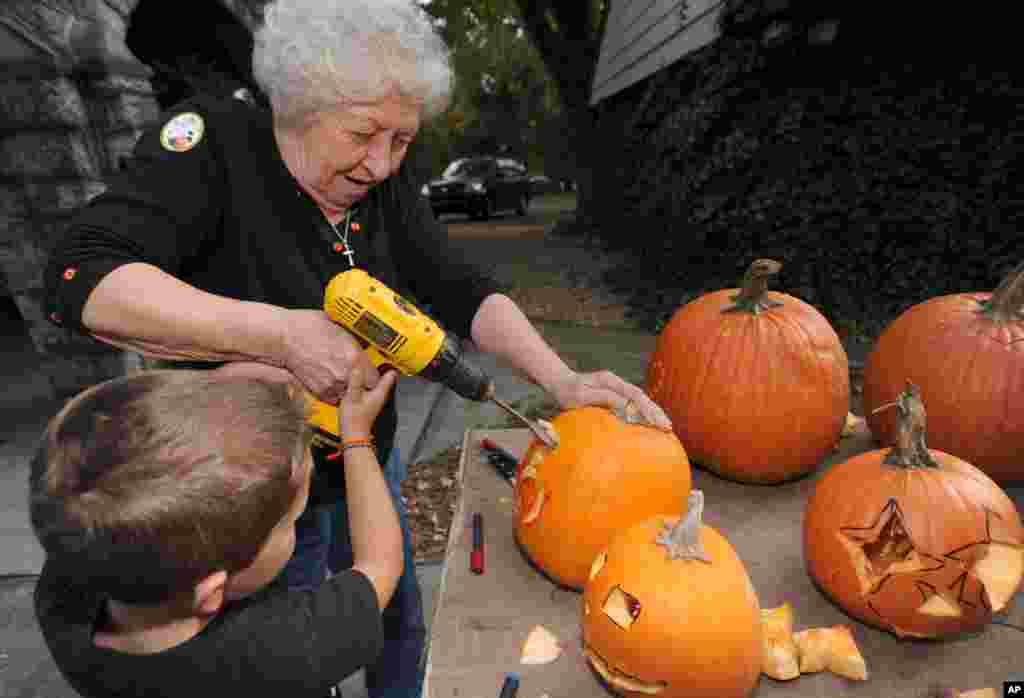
{"x":311,"y":56}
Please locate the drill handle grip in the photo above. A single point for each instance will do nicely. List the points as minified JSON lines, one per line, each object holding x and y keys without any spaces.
{"x":382,"y":361}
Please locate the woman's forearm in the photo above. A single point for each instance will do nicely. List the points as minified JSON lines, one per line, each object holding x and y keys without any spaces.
{"x":142,"y":308}
{"x":501,"y":328}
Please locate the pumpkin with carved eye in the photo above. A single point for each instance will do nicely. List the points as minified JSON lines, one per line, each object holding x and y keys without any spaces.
{"x":669,"y":610}
{"x":606,"y":473}
{"x":927,"y":546}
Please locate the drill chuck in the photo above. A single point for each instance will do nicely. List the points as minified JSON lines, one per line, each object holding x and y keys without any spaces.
{"x":451,"y":369}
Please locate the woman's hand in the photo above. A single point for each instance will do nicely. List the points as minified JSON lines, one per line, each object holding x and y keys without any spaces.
{"x":321,"y":354}
{"x":258,"y":371}
{"x":361,"y":405}
{"x":604,"y":388}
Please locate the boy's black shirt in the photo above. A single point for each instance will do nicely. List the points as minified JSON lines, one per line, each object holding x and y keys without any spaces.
{"x":276,"y":642}
{"x":227,"y":217}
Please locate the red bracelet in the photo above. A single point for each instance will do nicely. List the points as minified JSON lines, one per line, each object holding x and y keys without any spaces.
{"x":346,"y":444}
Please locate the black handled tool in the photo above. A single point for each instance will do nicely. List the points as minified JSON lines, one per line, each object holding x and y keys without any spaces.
{"x":503,"y":461}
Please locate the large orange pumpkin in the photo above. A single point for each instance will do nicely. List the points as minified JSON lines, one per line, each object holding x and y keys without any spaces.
{"x":669,"y":610}
{"x":605,"y":474}
{"x":966,"y":352}
{"x":911,"y":539}
{"x":756,"y":382}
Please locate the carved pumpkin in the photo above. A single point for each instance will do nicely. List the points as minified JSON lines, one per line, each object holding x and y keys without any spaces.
{"x":756,"y":382}
{"x":966,"y":352}
{"x":911,"y":539}
{"x":669,"y":610}
{"x":605,"y":474}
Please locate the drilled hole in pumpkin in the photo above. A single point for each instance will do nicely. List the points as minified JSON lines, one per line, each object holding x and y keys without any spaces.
{"x":597,"y":564}
{"x":940,"y":605}
{"x":538,"y":455}
{"x":530,"y":495}
{"x":1000,"y":571}
{"x":586,"y":608}
{"x":621,"y":680}
{"x":621,"y":608}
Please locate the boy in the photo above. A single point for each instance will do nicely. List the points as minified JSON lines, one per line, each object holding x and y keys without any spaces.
{"x":166,"y":503}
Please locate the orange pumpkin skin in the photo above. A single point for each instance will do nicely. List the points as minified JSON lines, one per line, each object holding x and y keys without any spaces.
{"x":698,"y":629}
{"x":604,"y":475}
{"x":949,"y":515}
{"x":970,"y":368}
{"x":758,"y":398}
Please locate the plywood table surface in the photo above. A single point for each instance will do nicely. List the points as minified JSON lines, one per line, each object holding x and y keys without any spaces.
{"x":481,"y":621}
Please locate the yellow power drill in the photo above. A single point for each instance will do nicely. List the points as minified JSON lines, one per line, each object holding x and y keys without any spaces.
{"x":395,"y":333}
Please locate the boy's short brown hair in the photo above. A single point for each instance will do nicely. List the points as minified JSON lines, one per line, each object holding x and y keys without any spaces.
{"x":146,"y":484}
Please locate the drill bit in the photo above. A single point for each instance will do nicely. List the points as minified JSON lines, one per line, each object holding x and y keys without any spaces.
{"x":542,"y":430}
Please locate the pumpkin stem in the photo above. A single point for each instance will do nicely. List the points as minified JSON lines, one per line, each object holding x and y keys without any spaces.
{"x":1007,"y":302}
{"x":910,"y":450}
{"x":751,"y":298}
{"x":683,"y":539}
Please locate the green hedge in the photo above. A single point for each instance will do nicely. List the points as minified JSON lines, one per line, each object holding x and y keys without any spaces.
{"x":880,"y":175}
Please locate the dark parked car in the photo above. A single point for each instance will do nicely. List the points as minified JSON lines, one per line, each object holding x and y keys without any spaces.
{"x":542,"y":184}
{"x":480,"y":186}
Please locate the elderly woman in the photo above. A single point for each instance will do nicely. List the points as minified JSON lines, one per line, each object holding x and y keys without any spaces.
{"x":217,"y":244}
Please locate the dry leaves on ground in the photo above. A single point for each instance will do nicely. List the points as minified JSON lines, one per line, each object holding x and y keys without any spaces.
{"x":431,"y":491}
{"x":574,"y":305}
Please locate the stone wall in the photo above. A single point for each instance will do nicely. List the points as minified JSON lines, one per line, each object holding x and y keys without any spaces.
{"x":73,"y":102}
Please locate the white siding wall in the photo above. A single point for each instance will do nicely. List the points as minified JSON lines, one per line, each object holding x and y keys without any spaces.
{"x":644,"y":36}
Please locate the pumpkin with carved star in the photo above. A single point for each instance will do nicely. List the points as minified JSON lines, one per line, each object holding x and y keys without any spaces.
{"x":607,"y":472}
{"x":911,"y":539}
{"x":669,"y":610}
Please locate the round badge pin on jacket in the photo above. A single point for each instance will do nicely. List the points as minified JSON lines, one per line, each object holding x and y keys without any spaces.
{"x":182,"y":132}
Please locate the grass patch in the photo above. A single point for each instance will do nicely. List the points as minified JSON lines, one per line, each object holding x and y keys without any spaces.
{"x":564,"y":202}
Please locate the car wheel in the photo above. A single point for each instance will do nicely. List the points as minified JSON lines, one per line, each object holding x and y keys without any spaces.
{"x":524,"y":204}
{"x":486,"y":208}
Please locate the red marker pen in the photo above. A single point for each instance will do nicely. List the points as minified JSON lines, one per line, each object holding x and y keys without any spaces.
{"x":476,"y":559}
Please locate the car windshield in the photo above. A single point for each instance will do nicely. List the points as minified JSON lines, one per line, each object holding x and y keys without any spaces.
{"x":467,"y":168}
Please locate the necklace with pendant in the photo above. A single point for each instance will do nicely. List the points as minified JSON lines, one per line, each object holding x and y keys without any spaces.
{"x":346,"y":248}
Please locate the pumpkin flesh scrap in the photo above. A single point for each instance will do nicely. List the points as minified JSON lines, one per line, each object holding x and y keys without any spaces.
{"x":830,"y":649}
{"x":780,"y":652}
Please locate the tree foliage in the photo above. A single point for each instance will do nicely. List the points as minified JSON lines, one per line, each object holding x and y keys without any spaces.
{"x":502,"y":94}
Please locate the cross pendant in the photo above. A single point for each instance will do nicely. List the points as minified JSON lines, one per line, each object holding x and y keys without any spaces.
{"x":350,"y":254}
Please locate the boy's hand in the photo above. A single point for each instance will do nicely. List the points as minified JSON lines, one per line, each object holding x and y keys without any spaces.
{"x":360,"y":406}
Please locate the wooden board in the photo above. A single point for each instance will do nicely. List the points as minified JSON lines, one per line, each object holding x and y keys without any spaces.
{"x":482,"y":620}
